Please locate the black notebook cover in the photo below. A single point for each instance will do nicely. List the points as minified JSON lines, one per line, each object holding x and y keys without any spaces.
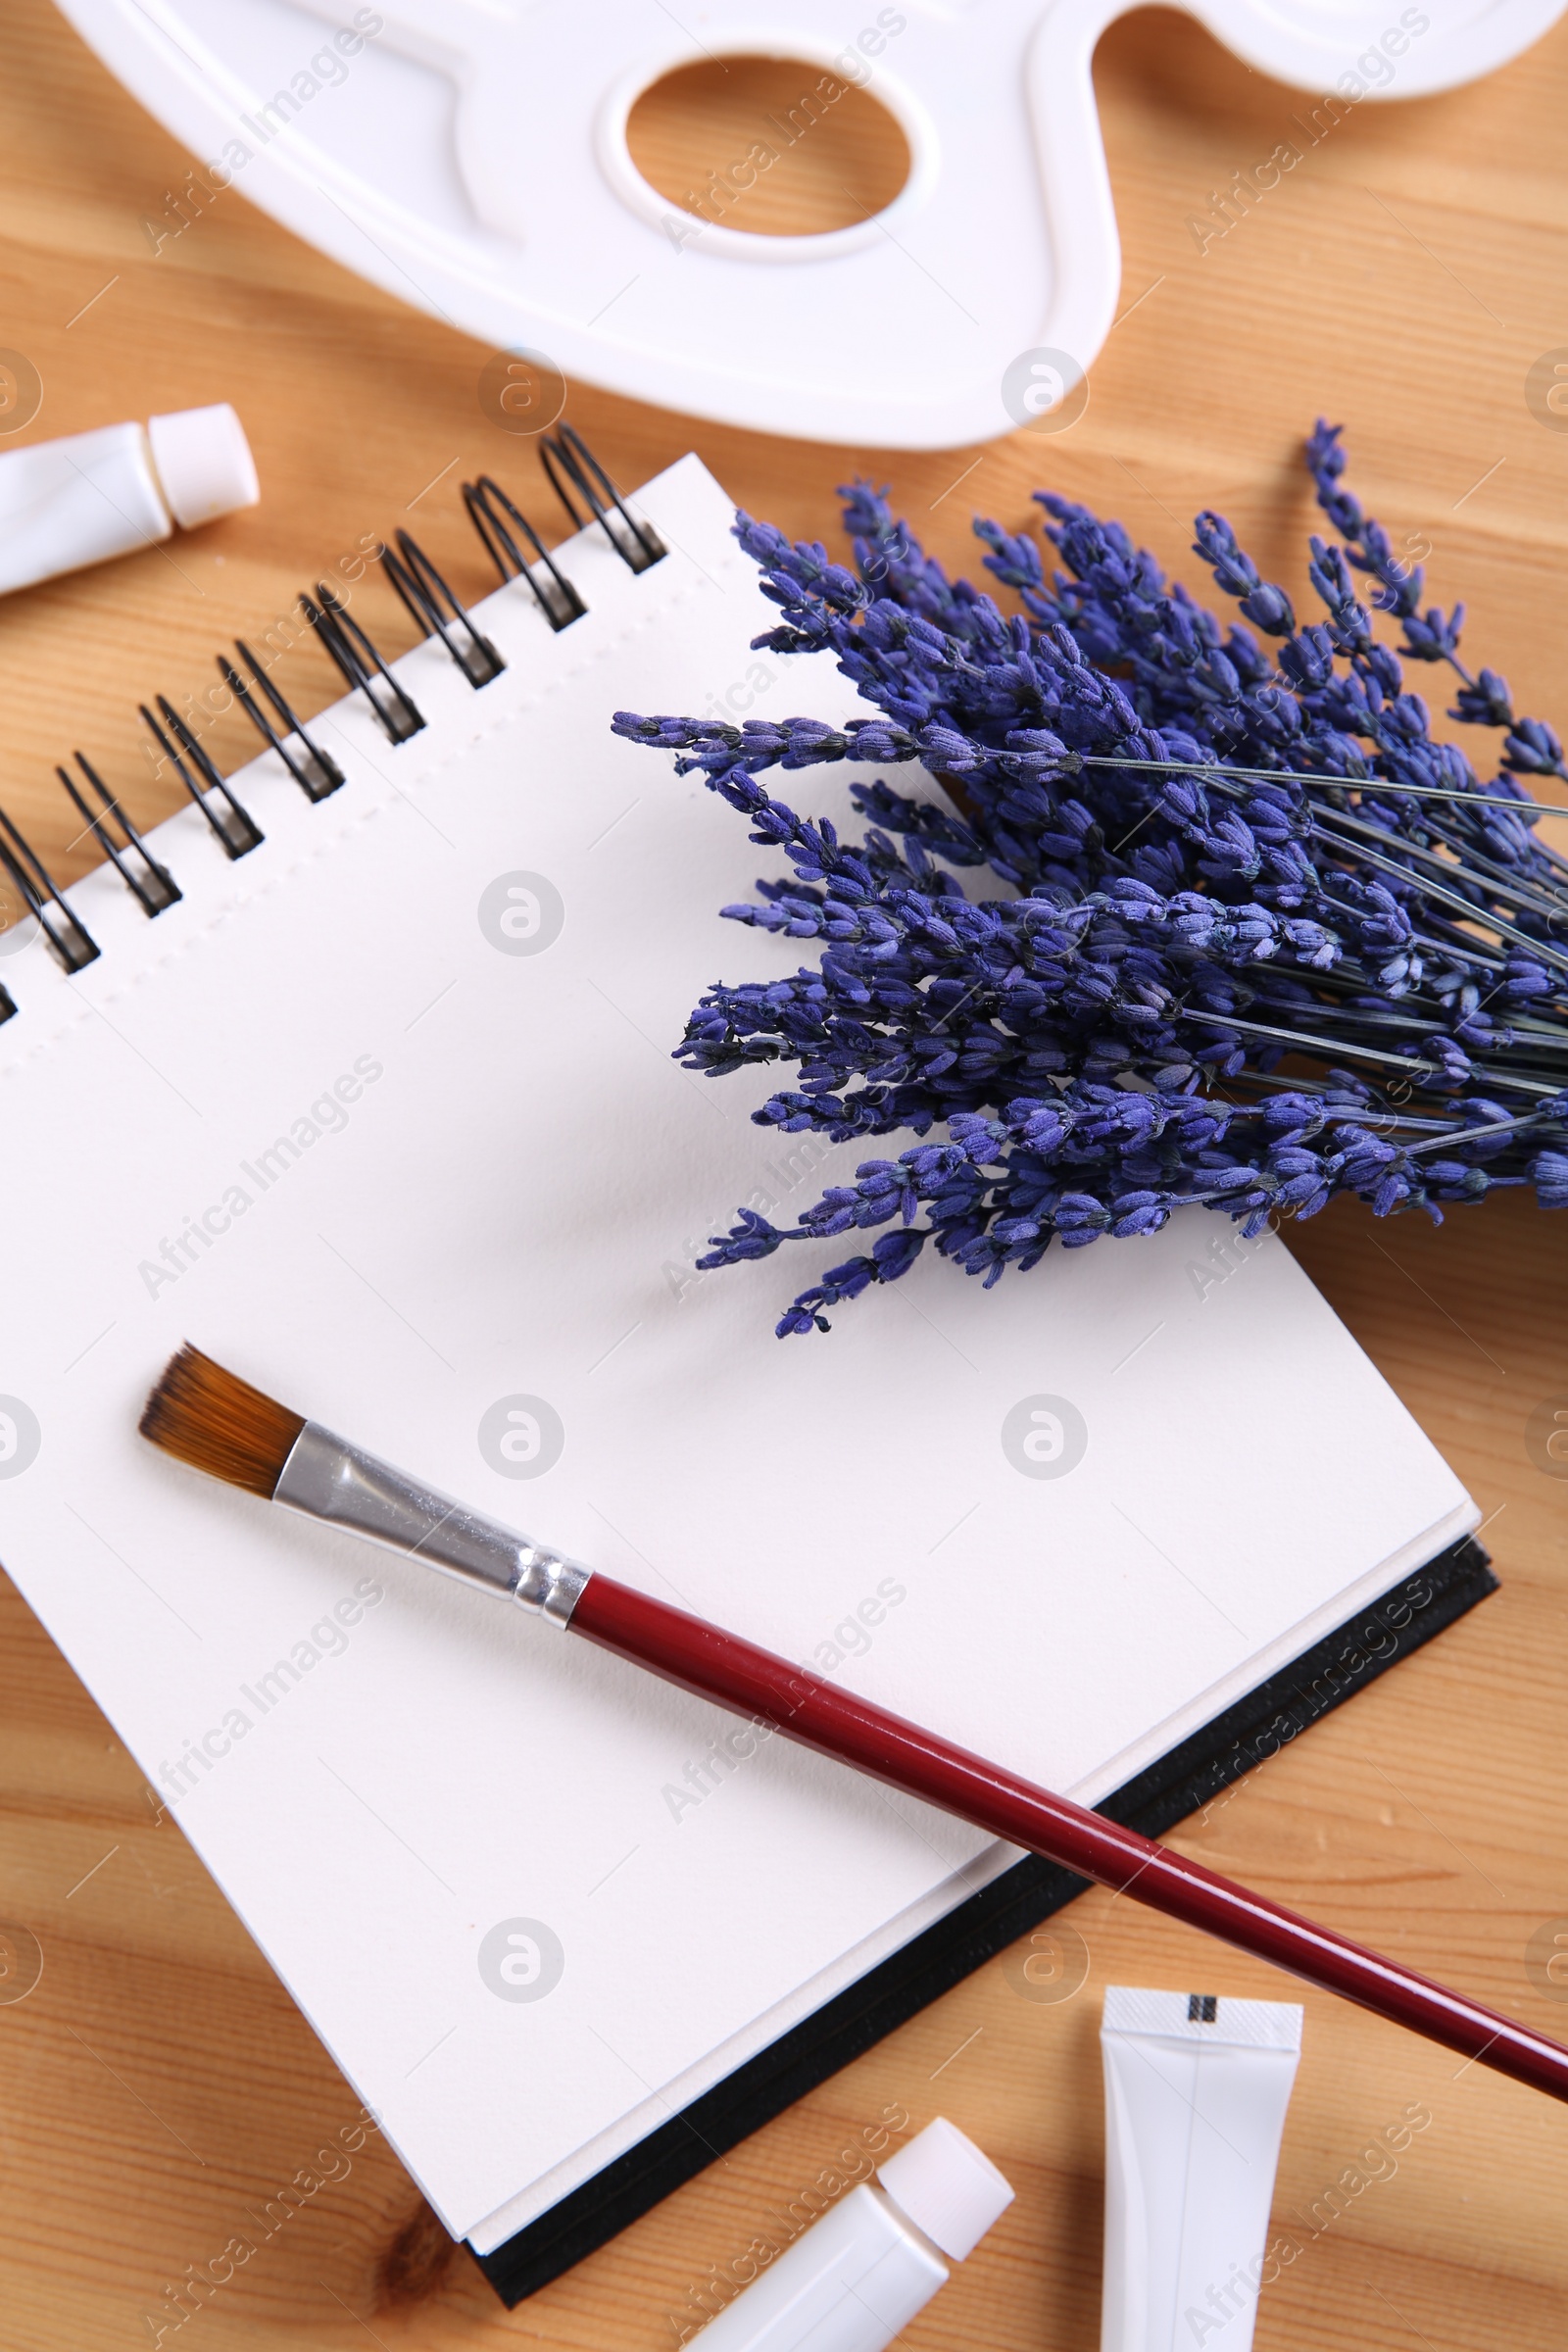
{"x":1267,"y":1719}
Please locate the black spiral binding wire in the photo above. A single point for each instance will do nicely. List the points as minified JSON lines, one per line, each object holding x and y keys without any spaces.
{"x":315,"y":771}
{"x":500,"y":524}
{"x":505,"y":532}
{"x":424,"y":592}
{"x":564,"y":452}
{"x":360,"y":664}
{"x":151,"y":885}
{"x":69,"y":941}
{"x":235,"y":827}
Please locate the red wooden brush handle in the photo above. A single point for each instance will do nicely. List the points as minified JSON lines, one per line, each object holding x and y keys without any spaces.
{"x":752,"y":1681}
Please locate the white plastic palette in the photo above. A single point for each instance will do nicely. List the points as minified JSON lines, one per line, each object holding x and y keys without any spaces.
{"x":470,"y":156}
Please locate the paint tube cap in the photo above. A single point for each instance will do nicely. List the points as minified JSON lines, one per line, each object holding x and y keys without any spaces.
{"x":947,"y":2188}
{"x":203,"y":463}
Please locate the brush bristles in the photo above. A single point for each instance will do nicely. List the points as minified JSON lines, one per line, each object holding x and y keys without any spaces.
{"x":219,"y":1423}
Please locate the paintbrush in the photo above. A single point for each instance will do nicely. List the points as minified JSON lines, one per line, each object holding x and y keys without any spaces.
{"x":220,"y":1424}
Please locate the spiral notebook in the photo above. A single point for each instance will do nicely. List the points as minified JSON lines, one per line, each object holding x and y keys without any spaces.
{"x":383,"y":1113}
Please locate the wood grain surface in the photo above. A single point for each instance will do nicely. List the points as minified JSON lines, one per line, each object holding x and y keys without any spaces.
{"x":159,"y":2085}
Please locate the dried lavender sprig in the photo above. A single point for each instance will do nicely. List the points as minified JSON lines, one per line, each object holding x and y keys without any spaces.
{"x":801,"y":742}
{"x":1525,"y":805}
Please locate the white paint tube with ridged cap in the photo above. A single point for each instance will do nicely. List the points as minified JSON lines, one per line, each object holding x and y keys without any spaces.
{"x":93,"y":496}
{"x":1196,"y":2087}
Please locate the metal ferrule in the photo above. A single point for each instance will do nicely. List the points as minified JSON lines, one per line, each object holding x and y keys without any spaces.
{"x":326,"y":1478}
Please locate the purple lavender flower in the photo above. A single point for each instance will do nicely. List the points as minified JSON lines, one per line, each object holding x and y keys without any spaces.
{"x":1268,"y":940}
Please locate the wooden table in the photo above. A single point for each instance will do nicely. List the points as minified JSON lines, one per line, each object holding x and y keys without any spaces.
{"x":160,"y":2082}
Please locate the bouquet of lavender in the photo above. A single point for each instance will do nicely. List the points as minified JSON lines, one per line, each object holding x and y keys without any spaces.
{"x":1266,"y":940}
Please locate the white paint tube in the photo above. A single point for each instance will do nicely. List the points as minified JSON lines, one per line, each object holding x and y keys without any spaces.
{"x":93,"y":496}
{"x":859,"y":2275}
{"x":1196,"y":2087}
